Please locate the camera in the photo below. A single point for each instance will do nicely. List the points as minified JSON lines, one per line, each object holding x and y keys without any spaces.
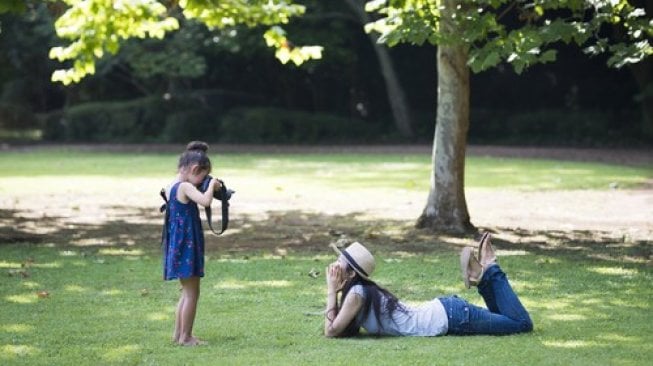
{"x":223,"y":194}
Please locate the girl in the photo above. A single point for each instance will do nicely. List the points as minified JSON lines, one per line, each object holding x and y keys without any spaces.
{"x":184,"y":240}
{"x":365,"y":304}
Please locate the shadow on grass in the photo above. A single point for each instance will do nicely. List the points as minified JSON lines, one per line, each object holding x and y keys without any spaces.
{"x":284,"y":232}
{"x":587,"y":303}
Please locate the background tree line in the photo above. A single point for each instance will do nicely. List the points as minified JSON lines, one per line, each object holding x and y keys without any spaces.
{"x":226,"y":86}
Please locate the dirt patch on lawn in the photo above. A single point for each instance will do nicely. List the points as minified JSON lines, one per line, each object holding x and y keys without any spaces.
{"x":613,"y":225}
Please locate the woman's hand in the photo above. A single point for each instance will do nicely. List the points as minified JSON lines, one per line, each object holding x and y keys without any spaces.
{"x":334,"y":278}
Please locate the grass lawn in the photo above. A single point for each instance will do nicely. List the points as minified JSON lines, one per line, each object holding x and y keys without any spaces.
{"x":109,"y":306}
{"x":105,"y":303}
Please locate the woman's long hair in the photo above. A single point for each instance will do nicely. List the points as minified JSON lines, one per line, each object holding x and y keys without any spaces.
{"x":374,"y":295}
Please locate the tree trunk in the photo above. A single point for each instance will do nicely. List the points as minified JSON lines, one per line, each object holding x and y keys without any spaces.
{"x":396,"y":95}
{"x":446,"y":208}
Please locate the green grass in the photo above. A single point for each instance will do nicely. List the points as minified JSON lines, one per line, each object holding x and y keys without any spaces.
{"x":110,"y":306}
{"x":410,"y":172}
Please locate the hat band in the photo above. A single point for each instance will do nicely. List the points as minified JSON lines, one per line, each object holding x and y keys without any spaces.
{"x":354,"y":264}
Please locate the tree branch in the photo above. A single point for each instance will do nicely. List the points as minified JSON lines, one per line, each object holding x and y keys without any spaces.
{"x":506,"y":10}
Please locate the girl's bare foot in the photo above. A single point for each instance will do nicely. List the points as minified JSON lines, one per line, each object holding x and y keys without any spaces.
{"x":192,"y":341}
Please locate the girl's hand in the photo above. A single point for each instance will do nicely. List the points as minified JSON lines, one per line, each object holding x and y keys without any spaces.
{"x":334,"y":277}
{"x":215,"y":183}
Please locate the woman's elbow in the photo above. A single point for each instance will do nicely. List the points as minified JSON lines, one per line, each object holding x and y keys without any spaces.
{"x":331,"y":333}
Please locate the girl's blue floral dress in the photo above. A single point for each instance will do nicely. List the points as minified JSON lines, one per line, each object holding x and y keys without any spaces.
{"x":184,"y":247}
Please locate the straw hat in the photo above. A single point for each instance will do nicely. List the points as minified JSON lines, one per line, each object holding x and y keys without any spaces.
{"x":359,"y":258}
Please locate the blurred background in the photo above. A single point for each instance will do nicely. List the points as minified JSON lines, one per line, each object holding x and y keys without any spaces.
{"x":227,"y":86}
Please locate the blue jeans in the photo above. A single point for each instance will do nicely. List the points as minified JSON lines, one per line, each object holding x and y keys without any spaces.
{"x":504,"y":314}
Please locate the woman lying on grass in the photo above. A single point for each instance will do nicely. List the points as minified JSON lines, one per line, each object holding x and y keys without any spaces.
{"x":365,"y":304}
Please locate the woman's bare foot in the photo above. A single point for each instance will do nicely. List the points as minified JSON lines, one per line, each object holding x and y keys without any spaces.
{"x":472,"y":271}
{"x":192,"y":341}
{"x":486,"y":255}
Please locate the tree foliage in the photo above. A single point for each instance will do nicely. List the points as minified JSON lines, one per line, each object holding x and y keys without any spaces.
{"x":520,"y":32}
{"x":97,"y":27}
{"x":12,"y":6}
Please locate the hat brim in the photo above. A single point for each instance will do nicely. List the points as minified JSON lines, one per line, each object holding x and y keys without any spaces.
{"x":339,"y":252}
{"x":335,"y":248}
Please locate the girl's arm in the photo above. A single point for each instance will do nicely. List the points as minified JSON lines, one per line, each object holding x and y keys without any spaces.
{"x":336,"y":321}
{"x":188,"y":192}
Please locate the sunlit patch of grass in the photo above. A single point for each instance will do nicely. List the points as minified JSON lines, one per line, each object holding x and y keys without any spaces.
{"x":28,"y":298}
{"x":237,"y":285}
{"x":5,"y":264}
{"x":567,"y":317}
{"x":11,"y":351}
{"x":17,"y":328}
{"x":342,"y":170}
{"x":613,"y":337}
{"x":75,"y":288}
{"x":118,"y":251}
{"x":507,"y":253}
{"x":616,"y":271}
{"x":555,"y":304}
{"x":112,"y":292}
{"x":120,"y":353}
{"x":30,"y":284}
{"x":568,"y":344}
{"x":233,"y":260}
{"x":158,"y":316}
{"x":55,"y":264}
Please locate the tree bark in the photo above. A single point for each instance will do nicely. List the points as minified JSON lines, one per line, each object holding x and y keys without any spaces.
{"x":446,"y":208}
{"x":396,"y":95}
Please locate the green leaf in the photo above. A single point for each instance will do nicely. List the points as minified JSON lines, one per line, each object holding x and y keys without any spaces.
{"x":548,"y":56}
{"x":491,"y":60}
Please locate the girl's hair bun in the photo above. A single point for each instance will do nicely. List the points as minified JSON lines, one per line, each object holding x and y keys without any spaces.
{"x":197,"y":145}
{"x":195,"y":154}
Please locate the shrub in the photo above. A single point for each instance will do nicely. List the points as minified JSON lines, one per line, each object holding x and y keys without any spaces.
{"x":100,"y":121}
{"x":131,"y":121}
{"x":149,"y":119}
{"x":552,"y":127}
{"x":53,"y":126}
{"x":191,"y":125}
{"x":274,"y":125}
{"x":16,"y":117}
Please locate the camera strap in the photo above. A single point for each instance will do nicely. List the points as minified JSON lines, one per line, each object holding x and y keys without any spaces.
{"x":207,"y":210}
{"x":164,"y":207}
{"x":225,"y":212}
